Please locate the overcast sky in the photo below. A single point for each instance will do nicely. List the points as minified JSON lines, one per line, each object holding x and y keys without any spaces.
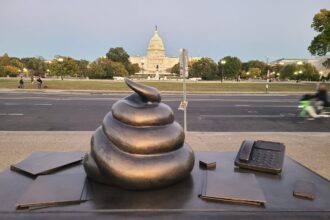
{"x":86,"y":29}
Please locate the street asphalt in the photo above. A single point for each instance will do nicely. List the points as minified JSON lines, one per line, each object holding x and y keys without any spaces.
{"x":206,"y":113}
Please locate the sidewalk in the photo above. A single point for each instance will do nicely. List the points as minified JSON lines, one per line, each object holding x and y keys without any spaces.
{"x":310,"y":149}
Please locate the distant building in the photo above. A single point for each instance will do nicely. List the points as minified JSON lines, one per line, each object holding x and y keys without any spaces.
{"x":156,"y":59}
{"x":316,"y":62}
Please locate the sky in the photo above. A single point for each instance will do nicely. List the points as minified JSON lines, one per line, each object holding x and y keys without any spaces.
{"x":86,"y":29}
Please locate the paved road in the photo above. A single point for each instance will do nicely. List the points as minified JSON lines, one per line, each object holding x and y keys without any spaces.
{"x":84,"y":112}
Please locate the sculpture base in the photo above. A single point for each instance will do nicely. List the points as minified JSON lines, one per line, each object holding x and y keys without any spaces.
{"x":136,"y":171}
{"x":179,"y":201}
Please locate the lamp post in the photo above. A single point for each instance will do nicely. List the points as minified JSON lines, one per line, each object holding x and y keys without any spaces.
{"x":60,"y":59}
{"x":299,"y":63}
{"x":223,"y":62}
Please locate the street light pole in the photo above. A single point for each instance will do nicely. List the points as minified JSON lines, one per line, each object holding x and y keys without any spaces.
{"x":183,"y":71}
{"x":299,"y":63}
{"x":60,"y":59}
{"x":223,"y":62}
{"x":267,"y":80}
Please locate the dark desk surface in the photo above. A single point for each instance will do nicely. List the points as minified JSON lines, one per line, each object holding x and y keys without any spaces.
{"x":179,"y":201}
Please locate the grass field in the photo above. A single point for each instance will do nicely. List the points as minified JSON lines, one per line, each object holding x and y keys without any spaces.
{"x":204,"y":86}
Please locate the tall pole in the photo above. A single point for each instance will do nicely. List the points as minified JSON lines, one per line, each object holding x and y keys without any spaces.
{"x":267,"y":76}
{"x":222,"y":62}
{"x":183,"y":69}
{"x":184,"y":90}
{"x":185,"y":101}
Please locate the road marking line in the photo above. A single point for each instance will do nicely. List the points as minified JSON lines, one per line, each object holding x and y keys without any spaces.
{"x":237,"y":100}
{"x":242,"y":105}
{"x":43,"y":104}
{"x":11,"y":114}
{"x":247,"y":116}
{"x":7,"y":103}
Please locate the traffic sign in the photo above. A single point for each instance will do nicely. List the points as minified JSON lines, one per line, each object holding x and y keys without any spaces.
{"x":183,"y":105}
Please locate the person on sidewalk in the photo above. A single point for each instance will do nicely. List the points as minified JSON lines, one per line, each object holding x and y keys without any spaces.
{"x":21,"y":83}
{"x":39,"y":81}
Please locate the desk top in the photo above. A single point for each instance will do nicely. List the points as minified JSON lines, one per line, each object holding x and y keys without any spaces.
{"x":180,"y":200}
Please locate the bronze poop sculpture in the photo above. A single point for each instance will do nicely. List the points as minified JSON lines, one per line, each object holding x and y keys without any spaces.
{"x":139,"y":145}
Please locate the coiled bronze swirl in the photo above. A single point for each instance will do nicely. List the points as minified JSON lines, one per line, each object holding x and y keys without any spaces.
{"x":139,"y":145}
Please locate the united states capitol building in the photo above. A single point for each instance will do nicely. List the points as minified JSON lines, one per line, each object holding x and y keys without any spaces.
{"x":156,"y":61}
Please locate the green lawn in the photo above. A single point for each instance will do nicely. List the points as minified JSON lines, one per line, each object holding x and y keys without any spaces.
{"x":165,"y":86}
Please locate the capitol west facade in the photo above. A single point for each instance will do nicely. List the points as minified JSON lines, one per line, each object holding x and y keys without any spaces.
{"x":156,"y":60}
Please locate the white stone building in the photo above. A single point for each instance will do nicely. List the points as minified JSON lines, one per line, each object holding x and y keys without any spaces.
{"x":316,"y":62}
{"x":156,"y":60}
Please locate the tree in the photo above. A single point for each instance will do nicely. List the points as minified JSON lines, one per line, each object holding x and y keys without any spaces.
{"x":16,"y":62}
{"x":204,"y":68}
{"x":320,"y":45}
{"x":232,"y":67}
{"x":82,"y":67}
{"x":100,"y":69}
{"x":258,"y":64}
{"x":63,"y":66}
{"x":287,"y":72}
{"x":133,"y":68}
{"x":11,"y":70}
{"x":276,"y":68}
{"x":309,"y":72}
{"x":2,"y":71}
{"x":5,"y":60}
{"x":35,"y":65}
{"x":326,"y":63}
{"x":11,"y":66}
{"x":119,"y":69}
{"x":176,"y":69}
{"x":254,"y":72}
{"x":245,"y":67}
{"x":118,"y":54}
{"x":299,"y":72}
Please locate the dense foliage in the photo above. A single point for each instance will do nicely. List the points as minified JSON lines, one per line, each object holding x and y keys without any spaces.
{"x":204,"y":68}
{"x":231,"y":69}
{"x":320,"y":45}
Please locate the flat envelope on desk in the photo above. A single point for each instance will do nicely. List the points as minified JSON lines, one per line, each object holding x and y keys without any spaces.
{"x":232,"y":187}
{"x":53,"y":190}
{"x":47,"y":162}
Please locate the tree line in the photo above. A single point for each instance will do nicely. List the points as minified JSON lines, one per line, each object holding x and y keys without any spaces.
{"x":114,"y":63}
{"x":232,"y":68}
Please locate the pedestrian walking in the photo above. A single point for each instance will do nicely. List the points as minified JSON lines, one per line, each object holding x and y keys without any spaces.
{"x":39,"y":82}
{"x":21,"y":83}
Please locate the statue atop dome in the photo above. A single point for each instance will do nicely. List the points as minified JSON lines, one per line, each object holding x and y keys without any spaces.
{"x":156,"y":46}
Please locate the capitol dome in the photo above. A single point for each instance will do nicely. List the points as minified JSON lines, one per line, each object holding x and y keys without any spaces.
{"x":156,"y":45}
